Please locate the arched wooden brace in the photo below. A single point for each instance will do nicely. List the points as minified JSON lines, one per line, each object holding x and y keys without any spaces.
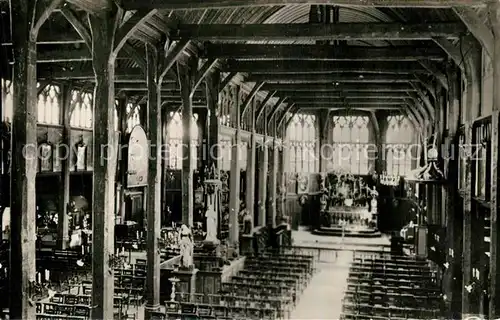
{"x":415,"y":113}
{"x":202,"y":73}
{"x":283,"y":116}
{"x":426,"y":114}
{"x":426,"y":85}
{"x":263,"y":105}
{"x":425,"y":99}
{"x":274,"y":110}
{"x":477,"y":27}
{"x":432,"y":68}
{"x":250,"y":96}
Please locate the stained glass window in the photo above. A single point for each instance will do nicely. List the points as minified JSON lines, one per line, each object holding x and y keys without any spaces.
{"x":49,"y":105}
{"x":81,"y":103}
{"x":302,"y":138}
{"x":398,"y":148}
{"x":350,"y":147}
{"x":174,"y":138}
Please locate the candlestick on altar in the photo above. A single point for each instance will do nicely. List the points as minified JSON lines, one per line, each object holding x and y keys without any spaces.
{"x":174,"y":281}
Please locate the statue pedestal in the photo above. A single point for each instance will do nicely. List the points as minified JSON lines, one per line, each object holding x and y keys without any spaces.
{"x":187,"y":282}
{"x":246,"y":244}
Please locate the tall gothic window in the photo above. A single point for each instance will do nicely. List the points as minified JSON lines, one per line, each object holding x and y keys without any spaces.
{"x":174,"y":137}
{"x":225,"y":153}
{"x":350,"y":146}
{"x":302,"y":138}
{"x":133,"y":116}
{"x":398,"y":150}
{"x":49,"y":105}
{"x":81,"y":116}
{"x":7,"y":100}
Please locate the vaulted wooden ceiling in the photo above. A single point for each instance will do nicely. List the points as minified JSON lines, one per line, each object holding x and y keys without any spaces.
{"x":376,"y":54}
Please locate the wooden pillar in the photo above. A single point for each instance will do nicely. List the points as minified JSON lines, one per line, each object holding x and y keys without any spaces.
{"x":186,"y":73}
{"x":494,"y":289}
{"x":154,"y":132}
{"x":453,"y":288}
{"x":234,"y":186}
{"x":263,"y":170}
{"x":63,"y":223}
{"x":252,"y":157}
{"x":103,"y":29}
{"x":122,"y":178}
{"x":273,"y":175}
{"x":24,"y":160}
{"x":212,"y":83}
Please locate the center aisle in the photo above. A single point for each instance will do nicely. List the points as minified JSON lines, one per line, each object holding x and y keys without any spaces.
{"x":322,"y":298}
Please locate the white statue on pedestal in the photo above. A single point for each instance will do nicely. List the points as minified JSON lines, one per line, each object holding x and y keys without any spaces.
{"x":211,"y":217}
{"x":186,"y":246}
{"x":373,"y":202}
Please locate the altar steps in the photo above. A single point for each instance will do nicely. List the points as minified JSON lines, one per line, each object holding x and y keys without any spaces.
{"x":337,"y":232}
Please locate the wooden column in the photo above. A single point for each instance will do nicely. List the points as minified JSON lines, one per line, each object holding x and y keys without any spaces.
{"x":252,"y":157}
{"x":453,"y":288}
{"x":186,"y":73}
{"x":63,"y":225}
{"x":103,"y":30}
{"x":273,"y":175}
{"x":263,"y":170}
{"x":212,"y":82}
{"x":24,"y":160}
{"x":122,"y":178}
{"x":494,"y":311}
{"x":234,"y":186}
{"x":153,"y":213}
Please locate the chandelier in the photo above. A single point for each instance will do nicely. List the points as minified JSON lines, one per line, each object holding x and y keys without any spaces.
{"x":389,"y":179}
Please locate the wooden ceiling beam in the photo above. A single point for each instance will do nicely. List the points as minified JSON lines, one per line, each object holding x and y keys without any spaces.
{"x":219,"y":4}
{"x":319,"y":31}
{"x":347,"y":95}
{"x":342,"y":78}
{"x":321,"y":67}
{"x":350,"y":99}
{"x":477,"y":27}
{"x":321,"y":52}
{"x":351,"y":102}
{"x":341,"y":87}
{"x":353,"y":107}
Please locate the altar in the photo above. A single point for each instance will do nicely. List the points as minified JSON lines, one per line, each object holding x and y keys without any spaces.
{"x":348,"y":207}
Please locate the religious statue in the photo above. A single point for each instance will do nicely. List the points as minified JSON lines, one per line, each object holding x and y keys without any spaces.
{"x":211,"y":217}
{"x":186,"y":246}
{"x":373,"y":203}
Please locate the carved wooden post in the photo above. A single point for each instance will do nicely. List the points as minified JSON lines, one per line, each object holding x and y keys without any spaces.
{"x":263,"y":170}
{"x":63,"y":226}
{"x":103,"y":29}
{"x":252,"y":156}
{"x":24,"y":159}
{"x":153,"y":79}
{"x":494,"y":311}
{"x":122,"y":178}
{"x":212,"y":91}
{"x":186,"y":72}
{"x":273,"y":176}
{"x":234,"y":202}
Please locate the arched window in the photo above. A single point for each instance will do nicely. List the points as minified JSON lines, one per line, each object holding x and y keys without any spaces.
{"x":7,"y":100}
{"x":81,"y":103}
{"x":398,"y":151}
{"x":351,"y":136}
{"x":301,"y":135}
{"x":49,"y":106}
{"x":225,"y":153}
{"x":174,"y":137}
{"x":133,"y":116}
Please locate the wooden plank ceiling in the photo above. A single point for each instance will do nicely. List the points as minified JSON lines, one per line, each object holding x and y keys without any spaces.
{"x":378,"y":54}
